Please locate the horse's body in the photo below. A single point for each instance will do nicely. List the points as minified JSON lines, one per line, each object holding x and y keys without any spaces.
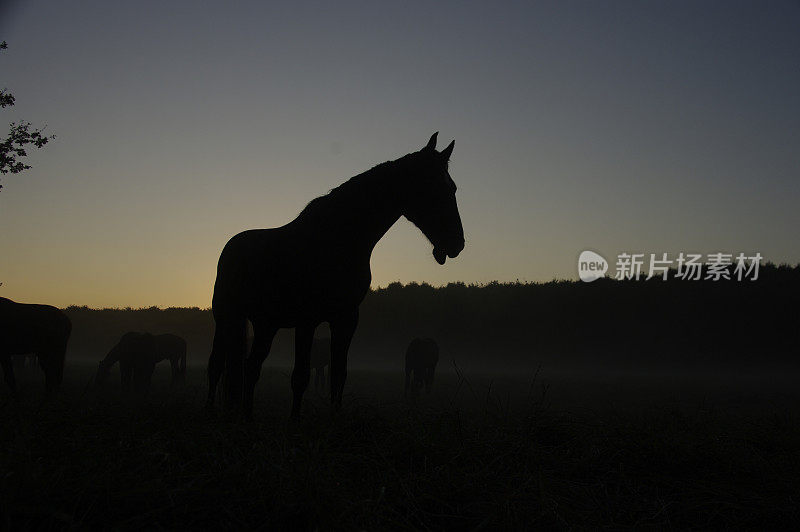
{"x":39,"y":329}
{"x":138,"y":354}
{"x":422,"y":356}
{"x":316,"y":269}
{"x":320,"y":359}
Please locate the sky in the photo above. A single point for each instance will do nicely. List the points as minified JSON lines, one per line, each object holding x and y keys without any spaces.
{"x":613,"y":126}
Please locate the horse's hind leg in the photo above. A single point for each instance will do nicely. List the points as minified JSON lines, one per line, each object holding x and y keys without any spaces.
{"x":147,"y":377}
{"x":216,"y":364}
{"x":182,"y":365}
{"x":301,"y":374}
{"x":227,"y":355}
{"x":178,"y":366}
{"x":8,"y":372}
{"x":342,"y":330}
{"x":173,"y":365}
{"x":262,"y":341}
{"x":52,"y":363}
{"x":141,"y":378}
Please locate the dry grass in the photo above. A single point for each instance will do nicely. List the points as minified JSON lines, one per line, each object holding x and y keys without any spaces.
{"x":462,"y":459}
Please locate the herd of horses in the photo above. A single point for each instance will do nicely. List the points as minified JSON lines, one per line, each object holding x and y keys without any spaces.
{"x":312,"y":270}
{"x":138,"y":353}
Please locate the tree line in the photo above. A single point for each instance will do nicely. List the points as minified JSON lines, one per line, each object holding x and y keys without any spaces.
{"x":608,"y":323}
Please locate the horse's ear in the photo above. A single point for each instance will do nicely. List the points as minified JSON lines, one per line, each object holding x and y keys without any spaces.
{"x":448,"y":151}
{"x":432,"y":143}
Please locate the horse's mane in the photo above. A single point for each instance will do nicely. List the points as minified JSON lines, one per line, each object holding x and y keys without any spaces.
{"x":357,"y":188}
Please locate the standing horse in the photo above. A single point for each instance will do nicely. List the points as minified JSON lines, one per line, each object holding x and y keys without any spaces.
{"x":316,"y":269}
{"x":138,"y":354}
{"x":422,"y":356}
{"x":24,"y":361}
{"x":320,"y":359}
{"x":39,"y":329}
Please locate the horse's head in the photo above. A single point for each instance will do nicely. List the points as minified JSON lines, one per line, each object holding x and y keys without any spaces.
{"x":431,"y":200}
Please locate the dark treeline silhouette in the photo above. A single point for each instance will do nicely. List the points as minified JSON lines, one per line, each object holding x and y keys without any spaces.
{"x":611,"y":324}
{"x":606,"y":324}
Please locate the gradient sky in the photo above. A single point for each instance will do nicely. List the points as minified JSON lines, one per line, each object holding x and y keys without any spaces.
{"x":612,"y":126}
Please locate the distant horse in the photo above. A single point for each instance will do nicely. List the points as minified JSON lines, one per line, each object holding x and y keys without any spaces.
{"x":320,"y":359}
{"x":422,"y":356}
{"x":39,"y":329}
{"x":24,"y":361}
{"x":138,"y":354}
{"x":316,"y":268}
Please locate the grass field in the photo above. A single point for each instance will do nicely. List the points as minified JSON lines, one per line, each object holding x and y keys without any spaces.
{"x":480,"y":452}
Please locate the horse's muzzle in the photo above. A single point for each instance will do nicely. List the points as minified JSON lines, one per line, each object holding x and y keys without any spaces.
{"x":452,"y":251}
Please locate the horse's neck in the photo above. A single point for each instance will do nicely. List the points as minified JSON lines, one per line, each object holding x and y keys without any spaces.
{"x":361,"y":215}
{"x":374,"y":222}
{"x":112,"y":357}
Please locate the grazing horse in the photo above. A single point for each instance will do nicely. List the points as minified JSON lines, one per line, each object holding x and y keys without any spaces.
{"x":24,"y":361}
{"x":320,"y":359}
{"x":422,"y":356}
{"x":138,"y":354}
{"x":316,"y":269}
{"x":39,"y":329}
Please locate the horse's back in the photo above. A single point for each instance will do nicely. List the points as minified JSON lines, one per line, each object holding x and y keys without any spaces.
{"x":422,"y":351}
{"x":249,"y":259}
{"x":135,"y":345}
{"x":170,"y":345}
{"x":255,"y":246}
{"x":286,"y":275}
{"x":26,"y":328}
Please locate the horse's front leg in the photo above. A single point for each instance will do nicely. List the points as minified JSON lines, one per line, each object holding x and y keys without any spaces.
{"x":262,"y":342}
{"x":342,"y":329}
{"x":429,"y":378}
{"x":126,"y":374}
{"x":8,"y":371}
{"x":301,"y":374}
{"x":174,"y":366}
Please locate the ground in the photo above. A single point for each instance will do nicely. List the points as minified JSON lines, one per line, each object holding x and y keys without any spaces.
{"x":519,"y":452}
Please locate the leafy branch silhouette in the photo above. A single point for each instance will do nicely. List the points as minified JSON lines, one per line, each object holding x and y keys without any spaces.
{"x":20,"y":137}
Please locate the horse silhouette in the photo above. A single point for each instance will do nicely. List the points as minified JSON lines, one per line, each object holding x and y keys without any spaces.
{"x":320,"y":359}
{"x":138,"y":354}
{"x":24,"y":361}
{"x":39,"y":329}
{"x":422,"y":356}
{"x":316,"y":269}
